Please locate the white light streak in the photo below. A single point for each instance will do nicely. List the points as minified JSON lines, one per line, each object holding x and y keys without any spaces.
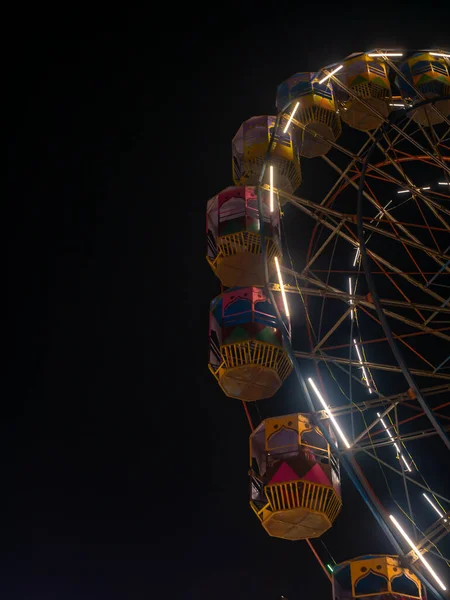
{"x":426,"y":188}
{"x":417,"y":552}
{"x":333,"y":420}
{"x":380,"y":214}
{"x":356,"y":256}
{"x":283,"y":293}
{"x":386,"y":54}
{"x":403,"y":191}
{"x":396,"y":104}
{"x":331,"y":74}
{"x":406,"y":463}
{"x":443,"y":183}
{"x":291,"y":117}
{"x":350,"y":292}
{"x":392,"y":439}
{"x":434,"y":506}
{"x":271,"y":187}
{"x":362,"y":367}
{"x":440,"y":54}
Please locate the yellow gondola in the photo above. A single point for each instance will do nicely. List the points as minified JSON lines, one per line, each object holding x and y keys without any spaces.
{"x":366,"y":101}
{"x":234,"y":241}
{"x":314,"y":116}
{"x":295,"y":481}
{"x":246,"y":353}
{"x":425,"y":76}
{"x":249,"y":147}
{"x":375,"y":577}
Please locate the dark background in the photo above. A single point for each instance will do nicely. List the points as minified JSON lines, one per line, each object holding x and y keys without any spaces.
{"x":124,"y":467}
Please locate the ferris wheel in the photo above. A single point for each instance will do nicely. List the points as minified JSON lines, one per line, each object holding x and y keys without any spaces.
{"x":333,"y":251}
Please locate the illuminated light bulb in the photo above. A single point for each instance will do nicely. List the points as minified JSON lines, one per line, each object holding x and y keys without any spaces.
{"x":331,"y":74}
{"x":333,"y":420}
{"x":417,"y":552}
{"x":291,"y":117}
{"x":440,"y":54}
{"x":434,"y":506}
{"x":271,"y":187}
{"x":283,"y":293}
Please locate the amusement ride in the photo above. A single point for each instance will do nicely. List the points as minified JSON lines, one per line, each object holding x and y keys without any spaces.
{"x":360,"y":152}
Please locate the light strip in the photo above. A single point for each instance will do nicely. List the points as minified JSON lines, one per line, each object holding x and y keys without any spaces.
{"x":396,"y":104}
{"x":333,"y":420}
{"x":291,"y":117}
{"x":271,"y":187}
{"x":356,"y":256}
{"x":386,"y":54}
{"x":434,"y":506}
{"x":443,"y":183}
{"x":362,"y":367}
{"x":406,"y":463}
{"x":350,"y":292}
{"x":331,"y":74}
{"x":403,"y":191}
{"x":283,"y":293}
{"x":417,"y":552}
{"x":380,"y":214}
{"x":426,"y":188}
{"x":400,"y":455}
{"x":440,"y":54}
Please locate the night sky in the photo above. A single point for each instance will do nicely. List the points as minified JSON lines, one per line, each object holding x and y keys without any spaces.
{"x":124,"y":467}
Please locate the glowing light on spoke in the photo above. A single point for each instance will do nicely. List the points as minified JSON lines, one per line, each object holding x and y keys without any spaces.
{"x":440,"y":54}
{"x":350,"y":292}
{"x":362,"y":366}
{"x":385,"y":54}
{"x":400,"y":455}
{"x":271,"y":187}
{"x":426,"y":188}
{"x":443,"y":183}
{"x":417,"y":552}
{"x":291,"y":117}
{"x":356,"y":256}
{"x":403,"y":191}
{"x":283,"y":293}
{"x":434,"y":506}
{"x":324,"y":404}
{"x":396,"y":104}
{"x":406,"y":462}
{"x":331,"y":74}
